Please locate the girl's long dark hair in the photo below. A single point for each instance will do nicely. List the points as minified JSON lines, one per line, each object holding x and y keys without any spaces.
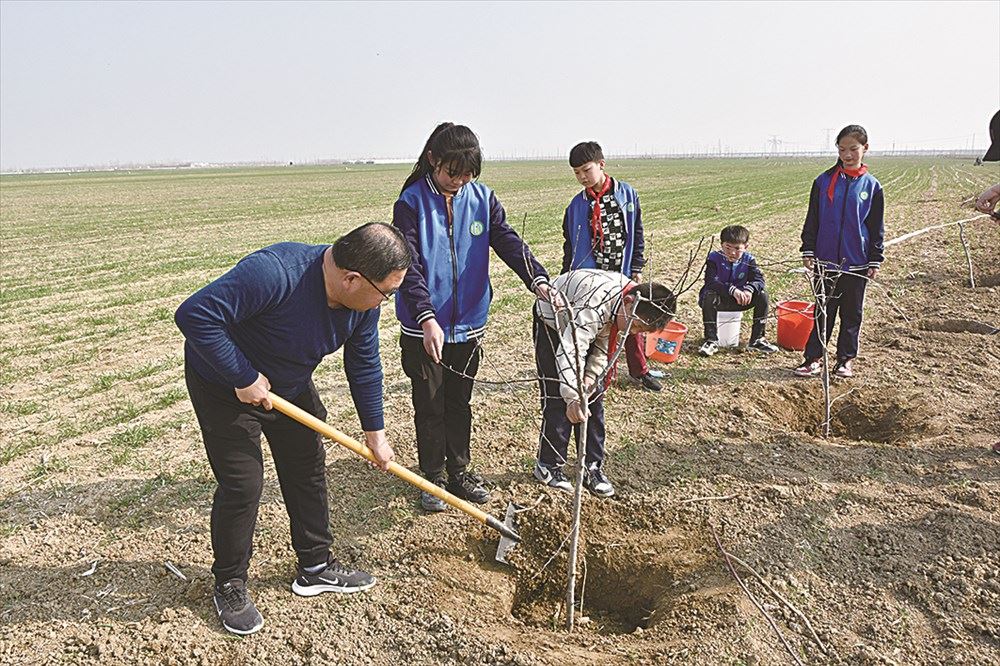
{"x":454,"y":146}
{"x":857,"y":131}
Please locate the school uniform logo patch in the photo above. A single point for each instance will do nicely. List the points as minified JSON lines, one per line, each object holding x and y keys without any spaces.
{"x":477,"y":227}
{"x":630,"y":207}
{"x":863,"y":196}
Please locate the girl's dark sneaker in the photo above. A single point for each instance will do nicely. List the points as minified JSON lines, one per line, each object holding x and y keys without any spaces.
{"x":469,"y":487}
{"x":433,"y":503}
{"x":334,"y":578}
{"x":236,"y":609}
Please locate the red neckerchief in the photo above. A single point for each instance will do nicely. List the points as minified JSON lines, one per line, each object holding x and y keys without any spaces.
{"x":853,"y":173}
{"x":596,"y":228}
{"x":613,"y":340}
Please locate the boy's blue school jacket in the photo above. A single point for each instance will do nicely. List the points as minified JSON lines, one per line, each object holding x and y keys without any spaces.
{"x":449,"y":279}
{"x":723,"y":276}
{"x":578,"y":245}
{"x":846,"y":233}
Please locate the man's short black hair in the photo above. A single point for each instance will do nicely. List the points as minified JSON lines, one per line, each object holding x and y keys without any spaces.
{"x":656,"y":305}
{"x":735,"y":234}
{"x":375,"y":250}
{"x":588,"y":151}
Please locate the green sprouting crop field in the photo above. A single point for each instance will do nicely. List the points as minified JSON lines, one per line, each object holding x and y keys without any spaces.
{"x":100,"y":455}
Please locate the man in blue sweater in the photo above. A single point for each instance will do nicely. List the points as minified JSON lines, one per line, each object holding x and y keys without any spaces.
{"x":265,"y":326}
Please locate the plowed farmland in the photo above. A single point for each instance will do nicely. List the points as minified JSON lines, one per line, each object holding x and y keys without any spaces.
{"x":884,"y":536}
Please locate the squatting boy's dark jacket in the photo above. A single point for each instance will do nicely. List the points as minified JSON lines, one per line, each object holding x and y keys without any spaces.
{"x":723,"y":276}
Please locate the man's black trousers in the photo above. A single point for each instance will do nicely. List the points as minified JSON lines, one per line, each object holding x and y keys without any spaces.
{"x":231,"y":431}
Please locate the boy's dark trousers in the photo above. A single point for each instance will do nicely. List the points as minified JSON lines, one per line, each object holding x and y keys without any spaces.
{"x":846,"y":296}
{"x":713,"y":304}
{"x":231,"y":430}
{"x":441,"y":413}
{"x":554,"y":438}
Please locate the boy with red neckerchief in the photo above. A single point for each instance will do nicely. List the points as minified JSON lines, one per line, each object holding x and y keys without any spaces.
{"x":602,"y":229}
{"x":843,"y":233}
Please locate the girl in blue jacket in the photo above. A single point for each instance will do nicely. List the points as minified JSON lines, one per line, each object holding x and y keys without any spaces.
{"x":451,"y":222}
{"x":843,"y":233}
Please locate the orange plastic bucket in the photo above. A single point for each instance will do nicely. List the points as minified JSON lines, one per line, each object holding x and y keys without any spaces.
{"x":795,"y":323}
{"x":665,"y":345}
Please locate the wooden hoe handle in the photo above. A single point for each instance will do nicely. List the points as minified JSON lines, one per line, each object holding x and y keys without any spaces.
{"x":348,"y":442}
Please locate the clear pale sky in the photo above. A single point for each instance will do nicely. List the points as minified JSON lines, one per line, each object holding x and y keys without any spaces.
{"x":111,"y":83}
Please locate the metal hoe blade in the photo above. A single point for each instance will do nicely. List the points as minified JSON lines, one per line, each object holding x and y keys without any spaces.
{"x":507,"y":543}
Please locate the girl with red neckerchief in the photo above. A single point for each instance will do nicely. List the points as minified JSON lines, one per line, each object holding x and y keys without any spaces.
{"x":843,"y":234}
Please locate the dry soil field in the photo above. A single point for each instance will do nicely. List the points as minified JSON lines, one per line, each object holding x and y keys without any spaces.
{"x":885,"y":536}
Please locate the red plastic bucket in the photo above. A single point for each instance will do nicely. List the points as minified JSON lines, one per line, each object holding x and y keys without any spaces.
{"x":795,"y":323}
{"x":665,"y":345}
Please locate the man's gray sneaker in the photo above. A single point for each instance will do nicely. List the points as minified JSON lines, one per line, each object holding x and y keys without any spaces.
{"x":762,"y":345}
{"x":236,"y":609}
{"x":553,"y":477}
{"x":334,"y":578}
{"x":598,"y":484}
{"x":708,"y":348}
{"x":432,"y":502}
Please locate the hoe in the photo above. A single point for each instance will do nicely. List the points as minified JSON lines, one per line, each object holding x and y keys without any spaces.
{"x":509,"y":536}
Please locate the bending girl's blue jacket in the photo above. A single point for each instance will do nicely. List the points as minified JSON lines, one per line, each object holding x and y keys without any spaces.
{"x":449,"y":279}
{"x":578,"y":247}
{"x":723,"y":276}
{"x":269,"y":314}
{"x":846,"y":233}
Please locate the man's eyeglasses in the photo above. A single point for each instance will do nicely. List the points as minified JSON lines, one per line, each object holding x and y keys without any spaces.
{"x":385,"y":295}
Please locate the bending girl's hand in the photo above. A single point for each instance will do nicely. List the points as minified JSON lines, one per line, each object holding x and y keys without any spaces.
{"x":256,"y":393}
{"x":376,"y":442}
{"x":546,"y":293}
{"x":433,"y":339}
{"x":576,"y":412}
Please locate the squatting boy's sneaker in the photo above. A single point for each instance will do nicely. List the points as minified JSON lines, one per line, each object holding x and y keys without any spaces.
{"x":433,"y":502}
{"x":469,"y":487}
{"x":334,"y":578}
{"x":708,"y":348}
{"x":598,"y":484}
{"x":553,"y":477}
{"x":762,"y":345}
{"x":236,"y":609}
{"x":810,"y":368}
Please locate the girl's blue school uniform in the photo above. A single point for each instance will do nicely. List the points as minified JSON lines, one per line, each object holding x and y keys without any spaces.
{"x":449,"y":279}
{"x":844,"y":235}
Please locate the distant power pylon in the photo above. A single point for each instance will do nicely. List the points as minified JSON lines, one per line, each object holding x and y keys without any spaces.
{"x":827,"y":130}
{"x":774,"y":142}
